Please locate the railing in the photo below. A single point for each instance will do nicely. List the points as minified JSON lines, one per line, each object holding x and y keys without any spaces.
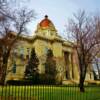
{"x":48,"y":92}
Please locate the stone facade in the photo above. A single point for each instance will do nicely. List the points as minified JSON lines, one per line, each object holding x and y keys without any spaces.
{"x":46,"y":37}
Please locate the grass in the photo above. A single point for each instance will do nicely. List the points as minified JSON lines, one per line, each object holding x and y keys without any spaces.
{"x":48,"y":93}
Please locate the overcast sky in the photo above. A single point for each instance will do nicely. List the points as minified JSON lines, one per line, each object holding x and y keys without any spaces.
{"x":60,"y":10}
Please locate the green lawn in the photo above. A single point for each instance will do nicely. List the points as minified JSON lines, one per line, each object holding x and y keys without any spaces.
{"x":48,"y":93}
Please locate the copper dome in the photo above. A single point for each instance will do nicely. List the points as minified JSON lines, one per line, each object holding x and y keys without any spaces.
{"x":45,"y":22}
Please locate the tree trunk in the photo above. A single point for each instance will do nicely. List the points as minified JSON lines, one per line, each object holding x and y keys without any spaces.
{"x":3,"y":75}
{"x":82,"y":77}
{"x":4,"y":67}
{"x":81,"y":84}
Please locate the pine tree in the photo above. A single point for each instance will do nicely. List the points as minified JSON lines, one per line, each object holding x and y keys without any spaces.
{"x":31,"y":72}
{"x":50,"y":66}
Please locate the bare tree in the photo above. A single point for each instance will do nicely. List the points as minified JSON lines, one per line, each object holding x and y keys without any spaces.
{"x":11,"y":21}
{"x":85,"y":31}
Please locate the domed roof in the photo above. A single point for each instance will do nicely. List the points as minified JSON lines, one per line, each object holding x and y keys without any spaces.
{"x":45,"y":22}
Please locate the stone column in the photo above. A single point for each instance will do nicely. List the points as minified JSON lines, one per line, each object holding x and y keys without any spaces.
{"x":70,"y":66}
{"x":75,"y":65}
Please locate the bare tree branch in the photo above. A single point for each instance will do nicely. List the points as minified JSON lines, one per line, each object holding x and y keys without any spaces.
{"x":85,"y":30}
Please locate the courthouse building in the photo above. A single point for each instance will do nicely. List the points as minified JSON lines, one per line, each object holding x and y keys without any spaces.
{"x":46,"y":37}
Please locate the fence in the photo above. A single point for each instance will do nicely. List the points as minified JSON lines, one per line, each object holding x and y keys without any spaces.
{"x":48,"y":92}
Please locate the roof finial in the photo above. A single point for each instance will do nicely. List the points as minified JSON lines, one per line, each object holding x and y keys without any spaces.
{"x":46,"y":16}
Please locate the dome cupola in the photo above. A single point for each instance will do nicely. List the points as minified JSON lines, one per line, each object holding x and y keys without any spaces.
{"x":46,"y":28}
{"x":45,"y":22}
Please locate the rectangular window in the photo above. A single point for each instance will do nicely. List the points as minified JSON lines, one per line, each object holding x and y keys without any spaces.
{"x":45,"y":50}
{"x":22,"y":53}
{"x":14,"y":68}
